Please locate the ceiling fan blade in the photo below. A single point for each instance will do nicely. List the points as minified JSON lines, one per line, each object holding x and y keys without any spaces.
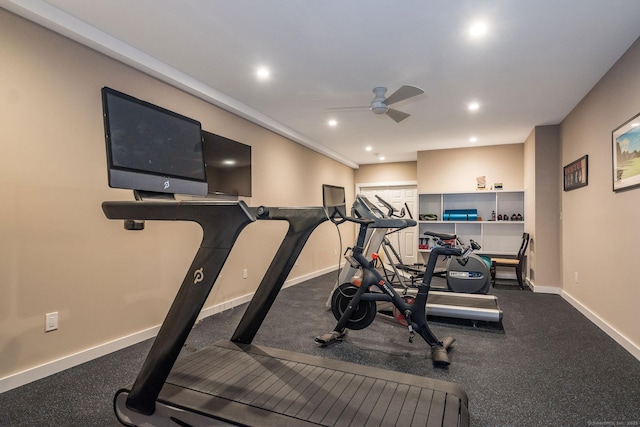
{"x":397,"y":115}
{"x":359,"y":107}
{"x":405,"y":92}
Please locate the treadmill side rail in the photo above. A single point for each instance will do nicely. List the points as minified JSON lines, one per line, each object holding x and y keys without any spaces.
{"x":302,"y":222}
{"x":221,"y":224}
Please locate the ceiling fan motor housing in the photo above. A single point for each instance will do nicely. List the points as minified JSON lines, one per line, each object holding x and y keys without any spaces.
{"x":379,"y":107}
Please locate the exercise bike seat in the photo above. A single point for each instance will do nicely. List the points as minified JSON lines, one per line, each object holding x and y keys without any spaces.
{"x":441,"y":236}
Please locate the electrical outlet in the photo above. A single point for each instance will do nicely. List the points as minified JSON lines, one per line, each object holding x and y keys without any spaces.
{"x":576,"y":277}
{"x":335,"y":252}
{"x":51,"y":321}
{"x":245,"y":273}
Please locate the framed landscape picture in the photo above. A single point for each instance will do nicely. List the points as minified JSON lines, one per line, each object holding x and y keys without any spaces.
{"x":576,"y":173}
{"x":626,"y":155}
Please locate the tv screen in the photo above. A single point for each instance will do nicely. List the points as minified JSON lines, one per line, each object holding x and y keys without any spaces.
{"x":228,"y":165}
{"x":150,"y":148}
{"x":334,"y":201}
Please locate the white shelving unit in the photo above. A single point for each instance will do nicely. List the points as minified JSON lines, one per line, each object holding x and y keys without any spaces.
{"x":495,"y":237}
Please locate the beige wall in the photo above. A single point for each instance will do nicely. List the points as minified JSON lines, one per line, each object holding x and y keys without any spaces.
{"x":529,"y":208}
{"x":441,"y":171}
{"x":58,"y":252}
{"x":600,"y":228}
{"x":386,"y":173}
{"x":543,"y":186}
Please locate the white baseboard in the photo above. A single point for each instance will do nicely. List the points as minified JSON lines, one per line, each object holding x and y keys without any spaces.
{"x":36,"y":373}
{"x":545,"y":289}
{"x":617,"y":336}
{"x":33,"y":374}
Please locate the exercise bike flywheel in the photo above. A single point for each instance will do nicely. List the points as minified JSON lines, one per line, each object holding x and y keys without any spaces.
{"x":364,"y":314}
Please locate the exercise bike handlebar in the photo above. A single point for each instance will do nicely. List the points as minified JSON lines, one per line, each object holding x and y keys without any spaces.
{"x":337,"y":218}
{"x":398,"y":223}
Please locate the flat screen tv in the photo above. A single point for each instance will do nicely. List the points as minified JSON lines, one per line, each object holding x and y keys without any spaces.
{"x":334,"y":201}
{"x":150,"y":149}
{"x":228,"y":164}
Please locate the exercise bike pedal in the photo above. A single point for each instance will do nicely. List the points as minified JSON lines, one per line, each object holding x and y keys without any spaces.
{"x":447,"y":342}
{"x":440,"y":356}
{"x":330,"y":338}
{"x":439,"y":353}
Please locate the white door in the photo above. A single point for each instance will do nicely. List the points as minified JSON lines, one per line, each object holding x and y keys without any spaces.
{"x":405,"y":241}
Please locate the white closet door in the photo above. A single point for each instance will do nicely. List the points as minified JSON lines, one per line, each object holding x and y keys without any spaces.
{"x":405,"y":241}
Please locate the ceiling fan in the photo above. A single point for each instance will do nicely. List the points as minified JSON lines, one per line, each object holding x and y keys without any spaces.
{"x":380,"y":104}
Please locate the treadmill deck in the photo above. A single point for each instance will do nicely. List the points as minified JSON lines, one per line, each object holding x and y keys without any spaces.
{"x":255,"y":385}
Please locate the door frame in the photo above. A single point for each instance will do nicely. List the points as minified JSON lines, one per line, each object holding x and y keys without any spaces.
{"x":359,"y":185}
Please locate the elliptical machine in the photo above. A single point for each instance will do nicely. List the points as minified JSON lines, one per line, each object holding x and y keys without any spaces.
{"x":466,"y":275}
{"x":354,"y":304}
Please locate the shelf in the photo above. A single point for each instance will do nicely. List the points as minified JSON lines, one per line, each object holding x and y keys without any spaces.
{"x":495,"y":237}
{"x":471,"y":222}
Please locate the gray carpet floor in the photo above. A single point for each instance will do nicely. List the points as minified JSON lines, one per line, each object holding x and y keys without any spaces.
{"x":549,"y":366}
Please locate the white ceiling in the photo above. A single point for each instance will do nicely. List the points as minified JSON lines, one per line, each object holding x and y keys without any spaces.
{"x":538,"y":59}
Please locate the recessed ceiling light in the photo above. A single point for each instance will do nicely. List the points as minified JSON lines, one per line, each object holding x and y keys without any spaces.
{"x":473,"y":139}
{"x":332,"y":123}
{"x":381,"y":158}
{"x":263,"y":73}
{"x":473,"y":106}
{"x":369,"y":148}
{"x":229,"y":162}
{"x":478,"y":29}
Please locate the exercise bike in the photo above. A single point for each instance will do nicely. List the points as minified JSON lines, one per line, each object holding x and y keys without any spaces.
{"x":354,"y":304}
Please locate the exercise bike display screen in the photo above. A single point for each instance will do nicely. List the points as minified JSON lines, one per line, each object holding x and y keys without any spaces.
{"x":150,"y":148}
{"x":334,"y":201}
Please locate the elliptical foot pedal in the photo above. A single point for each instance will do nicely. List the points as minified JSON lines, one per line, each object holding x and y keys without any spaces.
{"x":330,"y":338}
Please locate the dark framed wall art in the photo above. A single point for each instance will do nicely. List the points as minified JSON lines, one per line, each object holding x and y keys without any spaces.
{"x":576,"y":174}
{"x":625,"y":141}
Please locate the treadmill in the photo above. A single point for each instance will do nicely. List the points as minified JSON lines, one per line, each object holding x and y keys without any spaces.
{"x":237,"y":383}
{"x":456,"y":305}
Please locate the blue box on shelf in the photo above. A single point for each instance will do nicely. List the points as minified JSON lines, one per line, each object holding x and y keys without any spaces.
{"x":460,"y":215}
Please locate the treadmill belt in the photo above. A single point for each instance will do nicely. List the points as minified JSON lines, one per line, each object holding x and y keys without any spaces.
{"x":286,"y":388}
{"x":454,"y":299}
